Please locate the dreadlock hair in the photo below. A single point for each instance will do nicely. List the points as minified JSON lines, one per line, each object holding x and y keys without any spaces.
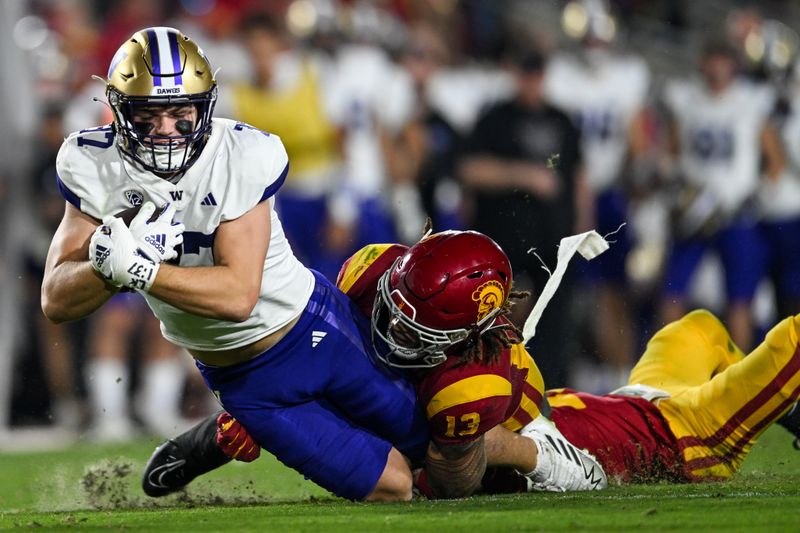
{"x":487,"y":347}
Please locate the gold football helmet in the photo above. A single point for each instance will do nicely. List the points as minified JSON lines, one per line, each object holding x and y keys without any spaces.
{"x":159,"y":66}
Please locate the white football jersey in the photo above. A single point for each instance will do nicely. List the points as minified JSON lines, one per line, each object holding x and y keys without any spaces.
{"x":719,"y":136}
{"x":780,"y":199}
{"x":460,"y":94}
{"x":239,"y":167}
{"x":603,"y":94}
{"x":368,"y":93}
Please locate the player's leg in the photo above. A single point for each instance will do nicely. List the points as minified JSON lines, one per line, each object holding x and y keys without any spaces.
{"x":175,"y":463}
{"x":396,"y":482}
{"x":783,"y":240}
{"x":686,"y":353}
{"x":742,"y":276}
{"x":108,"y":378}
{"x":782,"y":237}
{"x":318,"y":403}
{"x":718,"y":422}
{"x":683,"y":260}
{"x":532,"y":445}
{"x":320,"y":442}
{"x":162,"y":378}
{"x":370,"y":394}
{"x":613,"y":328}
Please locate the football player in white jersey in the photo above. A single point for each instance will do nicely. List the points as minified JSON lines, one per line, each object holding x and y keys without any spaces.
{"x":371,"y":100}
{"x":779,"y":211}
{"x":281,"y":348}
{"x":605,"y":92}
{"x":719,"y":136}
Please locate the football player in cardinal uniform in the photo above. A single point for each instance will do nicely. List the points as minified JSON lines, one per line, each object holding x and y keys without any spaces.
{"x":439,"y":316}
{"x":694,"y":407}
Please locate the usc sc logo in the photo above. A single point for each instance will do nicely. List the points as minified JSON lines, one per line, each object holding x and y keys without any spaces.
{"x":489,"y":296}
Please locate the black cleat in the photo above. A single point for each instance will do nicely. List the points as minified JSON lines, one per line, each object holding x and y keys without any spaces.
{"x":178,"y":461}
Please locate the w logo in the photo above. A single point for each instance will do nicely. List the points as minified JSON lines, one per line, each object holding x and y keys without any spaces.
{"x":316,"y":337}
{"x":176,"y":195}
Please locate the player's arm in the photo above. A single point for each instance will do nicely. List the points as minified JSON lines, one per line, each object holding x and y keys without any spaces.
{"x":71,"y":288}
{"x":774,"y":160}
{"x":510,"y":449}
{"x":491,"y":173}
{"x":638,"y":139}
{"x":230,"y":289}
{"x":455,"y":470}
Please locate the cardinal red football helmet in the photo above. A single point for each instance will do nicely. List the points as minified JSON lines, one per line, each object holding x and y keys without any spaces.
{"x":442,"y":290}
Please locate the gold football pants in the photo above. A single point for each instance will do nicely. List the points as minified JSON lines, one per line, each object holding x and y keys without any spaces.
{"x":721,"y":400}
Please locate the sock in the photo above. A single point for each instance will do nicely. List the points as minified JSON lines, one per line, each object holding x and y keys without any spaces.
{"x":162,"y":385}
{"x":108,"y":383}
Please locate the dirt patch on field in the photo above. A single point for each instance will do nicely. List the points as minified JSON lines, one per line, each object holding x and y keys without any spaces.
{"x":115,"y":484}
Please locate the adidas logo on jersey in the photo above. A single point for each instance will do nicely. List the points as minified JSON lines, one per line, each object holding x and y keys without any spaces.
{"x":209,"y":200}
{"x":316,"y":337}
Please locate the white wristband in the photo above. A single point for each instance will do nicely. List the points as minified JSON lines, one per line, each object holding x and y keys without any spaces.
{"x":140,"y":274}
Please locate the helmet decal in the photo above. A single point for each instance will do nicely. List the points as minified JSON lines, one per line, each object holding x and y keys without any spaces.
{"x":489,"y":296}
{"x":118,"y":58}
{"x":165,"y":59}
{"x":404,"y":305}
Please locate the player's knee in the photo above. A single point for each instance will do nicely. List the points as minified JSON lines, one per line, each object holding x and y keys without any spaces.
{"x":706,"y":322}
{"x":701,"y":317}
{"x":396,"y":481}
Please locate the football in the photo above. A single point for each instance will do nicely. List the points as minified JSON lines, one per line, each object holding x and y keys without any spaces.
{"x":128,"y":214}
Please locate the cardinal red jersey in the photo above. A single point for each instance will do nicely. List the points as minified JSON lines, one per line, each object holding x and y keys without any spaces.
{"x":462,"y":402}
{"x":628,"y":435}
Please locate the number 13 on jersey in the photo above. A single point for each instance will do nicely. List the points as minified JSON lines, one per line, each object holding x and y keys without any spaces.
{"x":466,"y":424}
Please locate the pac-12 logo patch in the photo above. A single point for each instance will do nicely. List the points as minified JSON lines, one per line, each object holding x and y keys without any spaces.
{"x":489,"y":296}
{"x":135,"y":198}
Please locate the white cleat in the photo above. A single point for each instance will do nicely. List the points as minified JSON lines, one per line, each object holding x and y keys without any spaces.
{"x":561,"y":466}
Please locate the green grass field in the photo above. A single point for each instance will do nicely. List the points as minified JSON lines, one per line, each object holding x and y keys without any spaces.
{"x":97,"y":487}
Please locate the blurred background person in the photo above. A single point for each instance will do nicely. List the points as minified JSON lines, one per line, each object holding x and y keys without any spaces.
{"x":522,"y":168}
{"x":451,"y":93}
{"x":778,"y":200}
{"x":215,"y":24}
{"x":779,"y":213}
{"x":123,"y":324}
{"x":719,"y":135}
{"x":605,"y":92}
{"x":425,"y":55}
{"x":371,"y":100}
{"x":57,"y":344}
{"x":285,"y":96}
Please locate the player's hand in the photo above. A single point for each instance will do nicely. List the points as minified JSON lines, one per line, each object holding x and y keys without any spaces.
{"x":113,"y":252}
{"x":234,"y":440}
{"x":538,"y":180}
{"x":158,"y":239}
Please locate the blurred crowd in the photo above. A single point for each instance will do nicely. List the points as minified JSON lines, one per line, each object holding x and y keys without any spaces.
{"x":670,"y":127}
